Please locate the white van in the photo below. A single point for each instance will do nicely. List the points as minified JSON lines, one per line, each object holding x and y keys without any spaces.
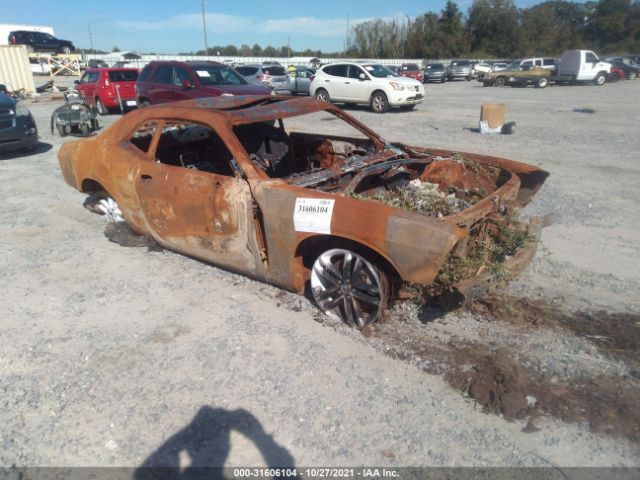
{"x":582,"y":66}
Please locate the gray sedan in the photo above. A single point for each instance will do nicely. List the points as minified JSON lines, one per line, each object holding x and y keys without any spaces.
{"x":435,"y":72}
{"x":274,"y":77}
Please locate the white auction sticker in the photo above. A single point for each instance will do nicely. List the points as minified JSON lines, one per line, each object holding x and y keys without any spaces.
{"x":313,"y":215}
{"x":202,"y":73}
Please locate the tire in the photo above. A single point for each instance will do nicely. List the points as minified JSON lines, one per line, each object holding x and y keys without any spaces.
{"x":108,"y":207}
{"x":379,"y":103}
{"x":500,"y":82}
{"x":29,"y":48}
{"x":322,"y":95}
{"x":65,"y":49}
{"x":144,"y":103}
{"x":632,"y":75}
{"x":541,"y":82}
{"x":62,"y":130}
{"x":600,"y":79}
{"x":95,"y":126}
{"x":102,"y":110}
{"x":85,"y":129}
{"x":348,"y":287}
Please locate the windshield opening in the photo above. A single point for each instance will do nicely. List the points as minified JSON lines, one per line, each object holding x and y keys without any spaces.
{"x":379,"y":71}
{"x":218,"y":75}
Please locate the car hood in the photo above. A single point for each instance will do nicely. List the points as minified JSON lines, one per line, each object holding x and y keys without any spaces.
{"x":6,"y":101}
{"x":407,"y":81}
{"x":248,"y":89}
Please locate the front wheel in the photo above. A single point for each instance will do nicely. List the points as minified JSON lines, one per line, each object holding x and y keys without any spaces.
{"x":600,"y":79}
{"x":500,"y":82}
{"x":65,"y":49}
{"x":322,"y":95}
{"x":379,"y":103}
{"x":349,"y":288}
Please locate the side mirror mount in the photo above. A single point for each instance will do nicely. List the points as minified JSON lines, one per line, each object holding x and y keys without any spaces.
{"x":186,"y":84}
{"x":362,"y":76}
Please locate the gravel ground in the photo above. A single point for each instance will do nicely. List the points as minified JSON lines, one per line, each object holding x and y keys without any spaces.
{"x":108,"y":353}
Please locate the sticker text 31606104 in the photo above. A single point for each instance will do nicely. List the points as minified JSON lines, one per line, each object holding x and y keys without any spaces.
{"x":313,"y":215}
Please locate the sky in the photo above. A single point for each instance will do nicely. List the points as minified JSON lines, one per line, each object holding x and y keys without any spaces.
{"x":174,"y":26}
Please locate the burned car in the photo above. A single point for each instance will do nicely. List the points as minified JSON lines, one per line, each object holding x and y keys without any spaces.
{"x":517,"y":75}
{"x":295,"y":192}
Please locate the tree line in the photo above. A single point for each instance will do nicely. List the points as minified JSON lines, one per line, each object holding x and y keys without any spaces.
{"x":499,"y":29}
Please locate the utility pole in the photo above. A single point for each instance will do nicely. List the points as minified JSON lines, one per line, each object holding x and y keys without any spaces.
{"x":289,"y":46}
{"x":346,"y":39}
{"x":204,"y":28}
{"x":90,"y":35}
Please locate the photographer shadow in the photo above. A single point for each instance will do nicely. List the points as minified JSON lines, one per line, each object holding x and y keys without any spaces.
{"x":206,"y":443}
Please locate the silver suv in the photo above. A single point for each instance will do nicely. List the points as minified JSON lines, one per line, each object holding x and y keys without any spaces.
{"x":274,"y":77}
{"x":459,"y":69}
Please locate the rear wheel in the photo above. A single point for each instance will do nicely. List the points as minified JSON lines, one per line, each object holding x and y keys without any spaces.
{"x":379,"y":102}
{"x":349,"y":288}
{"x":500,"y":82}
{"x":65,"y":49}
{"x":542,"y":82}
{"x":144,"y":103}
{"x":633,"y":75}
{"x":322,"y":95}
{"x":102,"y":109}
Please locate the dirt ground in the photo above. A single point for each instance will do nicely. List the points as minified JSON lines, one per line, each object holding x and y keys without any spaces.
{"x":130,"y":356}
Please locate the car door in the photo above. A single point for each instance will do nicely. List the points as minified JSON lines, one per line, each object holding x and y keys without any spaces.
{"x":161,"y":85}
{"x":179,"y":91}
{"x":335,"y":82}
{"x":357,"y":88}
{"x":302,"y":81}
{"x":202,"y":209}
{"x":588,"y":68}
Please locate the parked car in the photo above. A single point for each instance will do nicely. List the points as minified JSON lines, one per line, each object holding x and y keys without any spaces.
{"x":18,"y":130}
{"x":412,"y":70}
{"x":631,"y":69}
{"x":273,"y":77}
{"x":265,"y":187}
{"x":170,"y":81}
{"x":109,"y":88}
{"x":616,"y":74}
{"x":39,"y":66}
{"x":582,"y":66}
{"x":435,"y":72}
{"x":366,"y":84}
{"x":40,"y":42}
{"x":459,"y":69}
{"x":517,"y":75}
{"x":498,"y":66}
{"x":96,"y":63}
{"x":302,"y":81}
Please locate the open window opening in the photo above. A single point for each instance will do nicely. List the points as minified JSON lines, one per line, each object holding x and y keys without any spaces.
{"x":142,"y":137}
{"x":194,"y":146}
{"x":304,"y":143}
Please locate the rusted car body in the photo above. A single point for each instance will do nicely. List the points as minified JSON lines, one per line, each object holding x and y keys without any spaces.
{"x":227,"y":181}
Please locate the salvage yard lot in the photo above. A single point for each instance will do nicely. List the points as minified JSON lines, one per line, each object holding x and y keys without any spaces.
{"x":106,"y":352}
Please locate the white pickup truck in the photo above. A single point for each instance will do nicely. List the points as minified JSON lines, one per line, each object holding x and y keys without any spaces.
{"x":582,"y":66}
